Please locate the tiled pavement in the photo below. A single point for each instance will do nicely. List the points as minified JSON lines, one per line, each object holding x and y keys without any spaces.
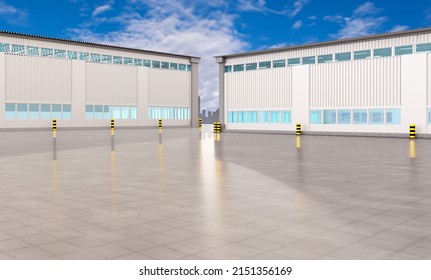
{"x":244,"y":197}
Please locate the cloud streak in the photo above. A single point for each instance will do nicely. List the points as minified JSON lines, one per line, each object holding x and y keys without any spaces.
{"x":13,"y":15}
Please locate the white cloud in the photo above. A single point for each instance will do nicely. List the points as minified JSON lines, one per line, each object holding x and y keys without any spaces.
{"x":261,"y":6}
{"x":368,"y":8}
{"x":337,"y":18}
{"x":298,"y":5}
{"x":101,"y":9}
{"x":13,"y":15}
{"x":252,"y":5}
{"x":399,"y":27}
{"x":176,"y":27}
{"x":297,"y":24}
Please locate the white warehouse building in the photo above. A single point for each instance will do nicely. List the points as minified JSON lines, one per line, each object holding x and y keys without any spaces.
{"x":366,"y":85}
{"x":84,"y":84}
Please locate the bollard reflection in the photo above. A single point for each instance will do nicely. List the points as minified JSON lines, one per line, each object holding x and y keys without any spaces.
{"x":217,"y":137}
{"x":112,"y":142}
{"x":54,"y":148}
{"x":160,"y":137}
{"x":412,"y":149}
{"x":298,"y":142}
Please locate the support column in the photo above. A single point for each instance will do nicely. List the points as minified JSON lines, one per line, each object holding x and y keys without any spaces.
{"x":221,"y":62}
{"x":2,"y":89}
{"x":194,"y":110}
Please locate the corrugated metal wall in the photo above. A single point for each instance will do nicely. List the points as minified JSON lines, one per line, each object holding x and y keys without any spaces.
{"x":111,"y":84}
{"x":169,"y":88}
{"x":264,"y":89}
{"x":38,"y":80}
{"x":429,"y":78}
{"x":359,"y":83}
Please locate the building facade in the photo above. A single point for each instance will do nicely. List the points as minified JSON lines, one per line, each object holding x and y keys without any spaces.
{"x":364,"y":85}
{"x":86,"y":84}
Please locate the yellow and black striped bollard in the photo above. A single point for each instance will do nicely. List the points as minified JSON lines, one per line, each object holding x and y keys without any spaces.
{"x":412,"y":131}
{"x":217,"y":127}
{"x":160,"y":124}
{"x":200,"y":123}
{"x":54,"y":128}
{"x":112,"y":126}
{"x":298,"y":129}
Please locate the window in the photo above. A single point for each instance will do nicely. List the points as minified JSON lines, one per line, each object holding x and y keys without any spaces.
{"x":344,"y":117}
{"x":89,"y":109}
{"x":315,"y":117}
{"x":107,"y":58}
{"x":46,"y":52}
{"x":18,"y":49}
{"x":329,"y":117}
{"x":116,"y":112}
{"x":252,"y":117}
{"x":343,"y":56}
{"x":118,"y":60}
{"x":22,"y":111}
{"x":34,"y":51}
{"x":279,"y":63}
{"x":232,"y":117}
{"x":155,"y":64}
{"x":393,"y":116}
{"x":98,"y":112}
{"x":137,"y":62}
{"x":242,"y":117}
{"x":10,"y":109}
{"x":33,"y":113}
{"x":293,"y":61}
{"x":362,"y":54}
{"x":106,"y":112}
{"x":4,"y":47}
{"x":67,"y":111}
{"x":324,"y":58}
{"x":133,"y":113}
{"x":403,"y":50}
{"x":264,"y":64}
{"x":251,"y":66}
{"x":286,"y":117}
{"x":124,"y":112}
{"x":423,"y":47}
{"x":84,"y":56}
{"x":228,"y":68}
{"x":128,"y":61}
{"x":56,"y":111}
{"x":429,"y":116}
{"x":165,"y":65}
{"x":275,"y":117}
{"x":95,"y":57}
{"x":383,"y":52}
{"x":263,"y":117}
{"x":189,"y":67}
{"x":147,"y":63}
{"x":238,"y":67}
{"x":45,"y":111}
{"x":60,"y":53}
{"x":309,"y":60}
{"x":376,"y":116}
{"x":174,"y":66}
{"x":360,"y":116}
{"x":72,"y":55}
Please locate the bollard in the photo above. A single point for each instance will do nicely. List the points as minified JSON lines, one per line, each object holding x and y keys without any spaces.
{"x":200,"y":123}
{"x":412,"y":131}
{"x":217,"y":127}
{"x":298,"y":129}
{"x":160,"y":123}
{"x":54,"y":125}
{"x":112,"y":126}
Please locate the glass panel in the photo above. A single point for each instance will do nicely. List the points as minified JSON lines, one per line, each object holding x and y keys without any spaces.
{"x":4,"y":47}
{"x":72,"y":55}
{"x":228,"y":68}
{"x":429,"y":116}
{"x":344,"y":117}
{"x":128,"y":61}
{"x":316,"y":117}
{"x":403,"y":50}
{"x":33,"y":113}
{"x":251,"y":66}
{"x":250,"y":117}
{"x":238,"y":67}
{"x":84,"y":56}
{"x":116,"y":112}
{"x":45,"y":111}
{"x":18,"y":49}
{"x":241,"y":117}
{"x":124,"y":113}
{"x":376,"y":116}
{"x":264,"y":64}
{"x":60,"y":53}
{"x":10,"y":109}
{"x":106,"y":112}
{"x":343,"y":56}
{"x":309,"y":60}
{"x":279,"y":63}
{"x":383,"y":52}
{"x":165,"y":65}
{"x":147,"y":63}
{"x":98,"y":112}
{"x":33,"y":51}
{"x":189,"y":67}
{"x":22,"y":109}
{"x":133,"y":113}
{"x":89,"y":109}
{"x":275,"y":117}
{"x":362,"y":54}
{"x":329,"y":116}
{"x":325,"y":58}
{"x":231,"y":117}
{"x":393,"y":116}
{"x":263,"y":117}
{"x":95,"y":57}
{"x":285,"y":117}
{"x":293,"y":61}
{"x":118,"y":60}
{"x":46,"y":52}
{"x":174,"y":66}
{"x":360,"y":117}
{"x":182,"y":67}
{"x":423,"y":47}
{"x":155,"y":64}
{"x":67,"y":111}
{"x":107,"y":58}
{"x":137,"y":62}
{"x":56,"y":111}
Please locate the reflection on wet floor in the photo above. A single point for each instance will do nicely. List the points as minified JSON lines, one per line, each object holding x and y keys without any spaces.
{"x":190,"y":193}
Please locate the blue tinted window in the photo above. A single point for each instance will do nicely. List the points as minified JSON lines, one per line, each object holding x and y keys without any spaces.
{"x":89,"y":109}
{"x":84,"y":56}
{"x":46,"y":52}
{"x":60,"y":53}
{"x":165,"y":65}
{"x":393,"y":116}
{"x":33,"y":113}
{"x":133,"y":113}
{"x":56,"y":111}
{"x":279,"y":63}
{"x":403,"y":50}
{"x":383,"y":52}
{"x":275,"y":117}
{"x":182,"y":67}
{"x":264,"y":64}
{"x":174,"y":66}
{"x":343,"y":56}
{"x":45,"y":111}
{"x":106,"y":112}
{"x":360,"y":116}
{"x":128,"y":61}
{"x":98,"y":112}
{"x":34,"y":51}
{"x":232,"y":117}
{"x":155,"y":64}
{"x":242,"y":117}
{"x":344,"y":117}
{"x":107,"y":58}
{"x":189,"y":67}
{"x":429,"y":116}
{"x":4,"y":47}
{"x":309,"y":60}
{"x":118,"y":60}
{"x":324,"y":58}
{"x":95,"y":57}
{"x":263,"y":117}
{"x":10,"y":109}
{"x":293,"y":61}
{"x":251,"y":66}
{"x":376,"y":116}
{"x":228,"y":68}
{"x":116,"y":112}
{"x":329,"y":117}
{"x":238,"y":67}
{"x":137,"y":62}
{"x":18,"y":49}
{"x":286,"y":117}
{"x":423,"y":47}
{"x":252,"y":117}
{"x":316,"y":117}
{"x":362,"y":54}
{"x":22,"y":109}
{"x":72,"y":55}
{"x":147,"y":63}
{"x":67,"y":111}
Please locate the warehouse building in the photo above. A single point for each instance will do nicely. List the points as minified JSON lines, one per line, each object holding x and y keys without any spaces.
{"x":365,"y":85}
{"x":84,"y":84}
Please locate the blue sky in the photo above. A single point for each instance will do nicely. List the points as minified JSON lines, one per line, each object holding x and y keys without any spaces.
{"x":208,"y":28}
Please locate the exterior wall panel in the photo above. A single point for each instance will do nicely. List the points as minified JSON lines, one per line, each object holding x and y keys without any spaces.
{"x":169,"y":88}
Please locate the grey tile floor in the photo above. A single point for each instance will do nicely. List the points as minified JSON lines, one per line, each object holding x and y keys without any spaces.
{"x":184,"y":195}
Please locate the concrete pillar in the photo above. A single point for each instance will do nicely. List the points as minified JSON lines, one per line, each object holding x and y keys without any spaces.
{"x":2,"y":88}
{"x":194,"y":110}
{"x":221,"y":62}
